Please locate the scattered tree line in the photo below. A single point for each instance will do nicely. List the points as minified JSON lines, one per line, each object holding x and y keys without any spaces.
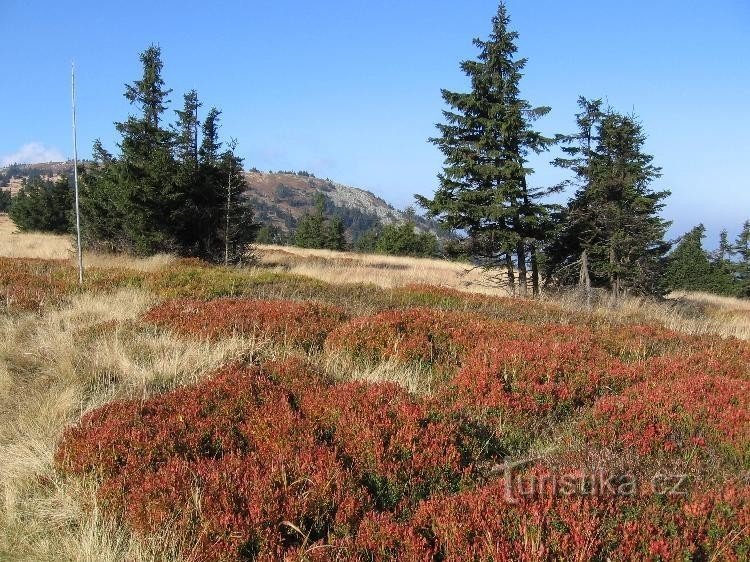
{"x":724,"y":272}
{"x":177,"y":188}
{"x":609,"y":234}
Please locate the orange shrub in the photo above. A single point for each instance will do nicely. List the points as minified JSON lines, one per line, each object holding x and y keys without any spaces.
{"x":31,"y":284}
{"x":279,"y":459}
{"x":685,"y":418}
{"x":296,"y":323}
{"x":419,"y":334}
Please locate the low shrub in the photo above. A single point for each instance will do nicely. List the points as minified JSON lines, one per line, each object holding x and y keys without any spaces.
{"x":32,"y":284}
{"x":304,"y":324}
{"x":422,"y":335}
{"x":689,"y":419}
{"x":260,"y":463}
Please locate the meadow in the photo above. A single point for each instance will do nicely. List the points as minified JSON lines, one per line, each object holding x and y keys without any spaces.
{"x":329,"y":406}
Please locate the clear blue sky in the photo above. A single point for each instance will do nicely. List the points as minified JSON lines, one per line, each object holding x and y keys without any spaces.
{"x":351,"y":89}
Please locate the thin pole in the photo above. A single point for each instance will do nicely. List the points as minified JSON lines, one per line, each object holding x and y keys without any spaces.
{"x":75,"y":173}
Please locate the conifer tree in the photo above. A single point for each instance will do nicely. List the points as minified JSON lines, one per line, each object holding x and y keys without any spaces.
{"x":148,"y":191}
{"x":612,"y":223}
{"x":742,"y":249}
{"x":310,"y":227}
{"x":689,"y":268}
{"x":4,"y":200}
{"x":486,"y":138}
{"x":43,"y":205}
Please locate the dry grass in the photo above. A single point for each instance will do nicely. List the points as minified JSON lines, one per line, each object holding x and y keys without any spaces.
{"x":14,"y":244}
{"x":384,"y":271}
{"x":53,"y":369}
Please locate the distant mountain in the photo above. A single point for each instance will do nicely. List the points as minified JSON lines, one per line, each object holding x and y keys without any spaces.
{"x":279,"y":199}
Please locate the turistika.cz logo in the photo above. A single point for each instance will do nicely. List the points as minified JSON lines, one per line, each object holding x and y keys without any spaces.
{"x":599,"y":483}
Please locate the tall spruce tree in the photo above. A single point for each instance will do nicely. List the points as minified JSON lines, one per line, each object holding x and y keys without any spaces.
{"x":149,"y":194}
{"x":611,"y":227}
{"x":486,"y":138}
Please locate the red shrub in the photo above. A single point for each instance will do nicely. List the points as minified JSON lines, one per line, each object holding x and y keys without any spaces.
{"x":419,"y":334}
{"x":482,"y":525}
{"x":677,"y":418}
{"x":276,"y":458}
{"x":31,"y":284}
{"x":533,"y":379}
{"x":295,"y":323}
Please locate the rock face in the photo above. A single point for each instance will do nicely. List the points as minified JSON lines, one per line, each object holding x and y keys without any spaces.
{"x":282,"y":198}
{"x":279,"y":199}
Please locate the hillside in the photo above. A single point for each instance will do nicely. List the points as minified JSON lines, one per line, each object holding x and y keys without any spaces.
{"x":279,"y":199}
{"x":323,"y":402}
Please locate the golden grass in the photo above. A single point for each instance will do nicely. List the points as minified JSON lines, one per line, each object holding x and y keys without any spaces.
{"x":54,"y":368}
{"x":384,"y":271}
{"x":14,"y":244}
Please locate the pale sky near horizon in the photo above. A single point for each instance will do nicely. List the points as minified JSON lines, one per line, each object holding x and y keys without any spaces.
{"x":351,"y":89}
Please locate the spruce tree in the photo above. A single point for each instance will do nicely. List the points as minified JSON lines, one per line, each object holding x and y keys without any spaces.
{"x":742,"y":249}
{"x":4,"y":200}
{"x":486,"y":138}
{"x":310,"y":231}
{"x":43,"y":205}
{"x":611,"y":227}
{"x":689,"y":267}
{"x":149,"y":194}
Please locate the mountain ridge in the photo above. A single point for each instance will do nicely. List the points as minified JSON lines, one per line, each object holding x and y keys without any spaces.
{"x":279,"y":199}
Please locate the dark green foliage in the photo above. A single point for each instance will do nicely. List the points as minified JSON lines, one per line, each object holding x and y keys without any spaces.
{"x":612,"y":224}
{"x":43,"y":205}
{"x":169,"y":188}
{"x":689,"y":267}
{"x":271,"y":234}
{"x":4,"y":200}
{"x":149,"y":194}
{"x":317,"y":230}
{"x":486,"y":140}
{"x":399,"y":240}
{"x":742,"y":249}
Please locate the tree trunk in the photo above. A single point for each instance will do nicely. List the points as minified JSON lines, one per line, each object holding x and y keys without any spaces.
{"x":614,"y":277}
{"x":521,"y":257}
{"x":583,"y":279}
{"x":511,"y":274}
{"x":534,"y":271}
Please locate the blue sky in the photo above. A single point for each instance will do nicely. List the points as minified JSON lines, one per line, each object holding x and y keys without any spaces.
{"x":351,"y":89}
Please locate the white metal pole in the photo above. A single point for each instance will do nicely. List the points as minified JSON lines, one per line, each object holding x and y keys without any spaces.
{"x":75,"y":173}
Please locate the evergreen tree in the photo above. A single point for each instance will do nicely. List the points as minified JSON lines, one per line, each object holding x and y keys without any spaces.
{"x":404,"y":240}
{"x":317,"y":230}
{"x":149,"y":194}
{"x":612,"y":223}
{"x":486,"y":140}
{"x":4,"y":200}
{"x":742,"y":249}
{"x":100,"y":202}
{"x":310,"y":227}
{"x":43,"y":205}
{"x":689,"y":268}
{"x":334,"y":238}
